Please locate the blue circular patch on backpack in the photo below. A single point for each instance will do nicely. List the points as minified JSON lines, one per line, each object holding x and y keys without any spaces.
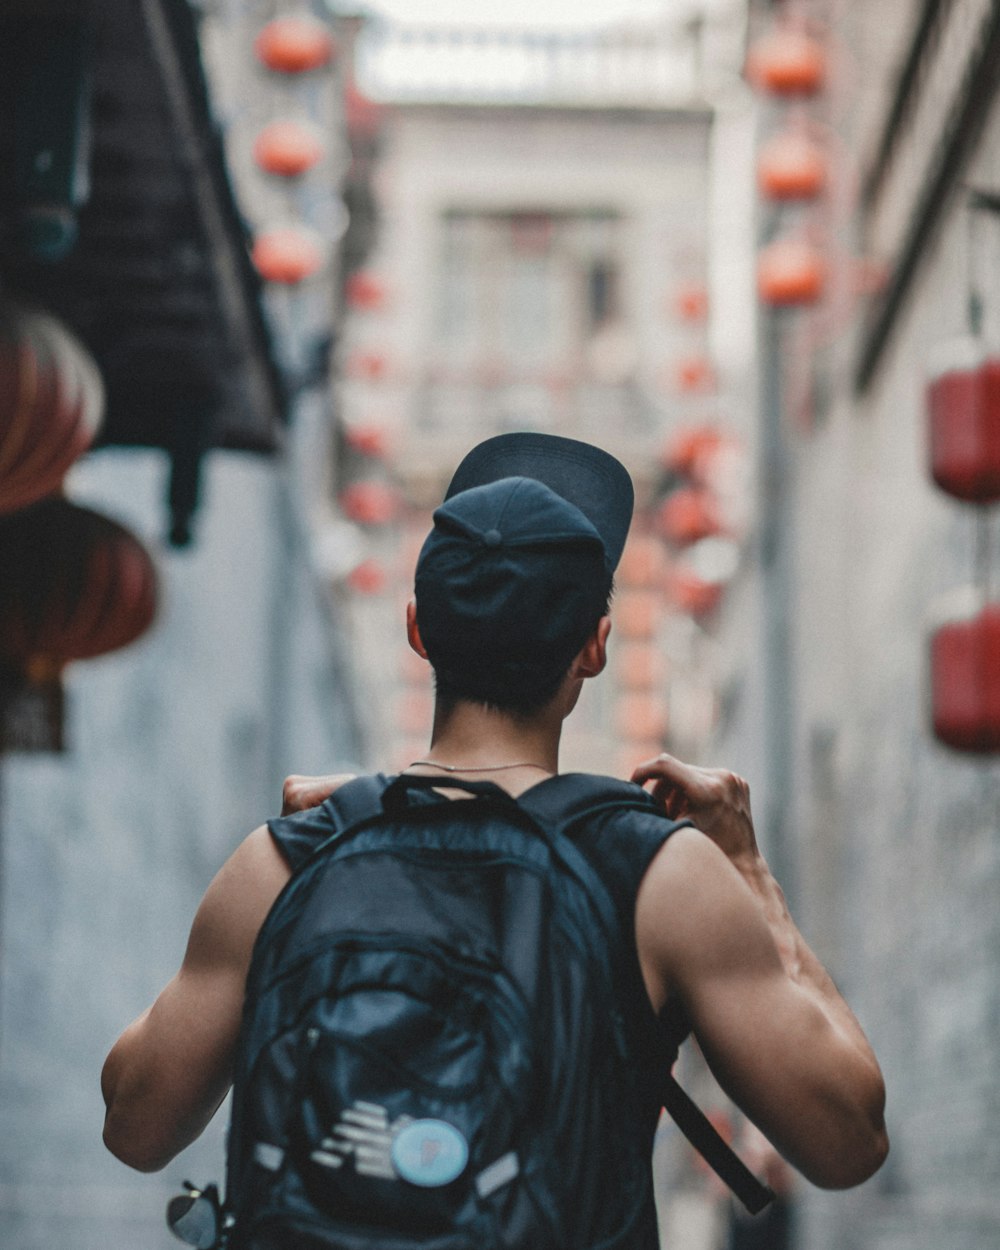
{"x":429,"y":1153}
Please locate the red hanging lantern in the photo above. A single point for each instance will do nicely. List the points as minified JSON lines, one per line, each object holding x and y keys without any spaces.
{"x":791,"y":167}
{"x":790,"y":272}
{"x":287,"y":148}
{"x":294,"y":44}
{"x":367,"y":366}
{"x":963,"y":409}
{"x":691,"y":594}
{"x":688,"y":515}
{"x":370,"y":503}
{"x":369,"y":440}
{"x":965,"y":682}
{"x":691,"y":302}
{"x":287,"y":255}
{"x":368,"y":578}
{"x":364,"y":291}
{"x":689,"y":446}
{"x":695,"y":375}
{"x":76,"y":585}
{"x":696,"y":584}
{"x":787,"y":62}
{"x":51,"y":405}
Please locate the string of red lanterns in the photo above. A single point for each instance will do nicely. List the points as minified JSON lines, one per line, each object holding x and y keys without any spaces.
{"x":790,"y":63}
{"x":963,"y":427}
{"x":290,"y":45}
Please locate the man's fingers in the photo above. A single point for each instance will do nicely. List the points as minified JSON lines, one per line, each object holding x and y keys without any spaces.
{"x":675,"y":784}
{"x":299,"y":793}
{"x":672,"y":782}
{"x":664,"y":768}
{"x":716,"y":800}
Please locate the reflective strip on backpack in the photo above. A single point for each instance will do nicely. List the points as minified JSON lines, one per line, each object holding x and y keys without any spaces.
{"x":269,"y":1157}
{"x":498,"y":1174}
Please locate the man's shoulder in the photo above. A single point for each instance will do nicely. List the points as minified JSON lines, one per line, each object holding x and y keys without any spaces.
{"x":693,"y":898}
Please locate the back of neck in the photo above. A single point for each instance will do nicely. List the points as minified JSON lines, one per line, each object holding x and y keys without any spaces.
{"x":486,"y":743}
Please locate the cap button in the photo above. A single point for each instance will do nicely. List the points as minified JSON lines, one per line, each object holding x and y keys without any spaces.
{"x":493,"y":538}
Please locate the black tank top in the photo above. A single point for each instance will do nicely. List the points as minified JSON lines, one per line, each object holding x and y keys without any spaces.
{"x":619,"y":846}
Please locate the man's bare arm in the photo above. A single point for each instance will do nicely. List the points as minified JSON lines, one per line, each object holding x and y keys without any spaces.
{"x":713,"y":927}
{"x":168,"y":1072}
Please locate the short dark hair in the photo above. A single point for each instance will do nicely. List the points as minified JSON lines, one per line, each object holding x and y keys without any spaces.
{"x":514,"y":697}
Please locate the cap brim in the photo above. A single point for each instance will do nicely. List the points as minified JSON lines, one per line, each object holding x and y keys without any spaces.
{"x":592,"y":479}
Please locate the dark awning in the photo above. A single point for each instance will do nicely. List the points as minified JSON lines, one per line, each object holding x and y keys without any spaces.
{"x":158,"y":283}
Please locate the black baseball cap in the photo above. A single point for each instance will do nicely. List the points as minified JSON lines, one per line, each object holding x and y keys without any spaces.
{"x":584,"y":475}
{"x":517,"y":569}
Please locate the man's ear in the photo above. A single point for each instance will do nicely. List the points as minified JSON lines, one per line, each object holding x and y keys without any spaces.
{"x":593,"y":655}
{"x":412,"y":632}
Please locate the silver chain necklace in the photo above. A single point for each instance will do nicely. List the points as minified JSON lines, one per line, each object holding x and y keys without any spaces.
{"x":479,"y":768}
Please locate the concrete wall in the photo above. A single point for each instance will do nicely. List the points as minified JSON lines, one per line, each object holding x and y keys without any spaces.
{"x":897,"y":838}
{"x":177,"y":750}
{"x":894,"y":840}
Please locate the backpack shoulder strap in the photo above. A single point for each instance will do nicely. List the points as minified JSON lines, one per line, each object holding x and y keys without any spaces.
{"x":564,"y":800}
{"x":363,"y":800}
{"x":559,"y":804}
{"x":357,"y":800}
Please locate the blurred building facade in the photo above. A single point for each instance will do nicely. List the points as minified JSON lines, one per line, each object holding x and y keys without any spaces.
{"x":558,"y":221}
{"x":551,"y":232}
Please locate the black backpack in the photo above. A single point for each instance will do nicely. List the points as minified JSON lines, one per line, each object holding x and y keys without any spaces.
{"x":431,"y":1053}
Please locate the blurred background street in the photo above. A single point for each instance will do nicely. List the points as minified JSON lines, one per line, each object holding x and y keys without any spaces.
{"x":268,"y":268}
